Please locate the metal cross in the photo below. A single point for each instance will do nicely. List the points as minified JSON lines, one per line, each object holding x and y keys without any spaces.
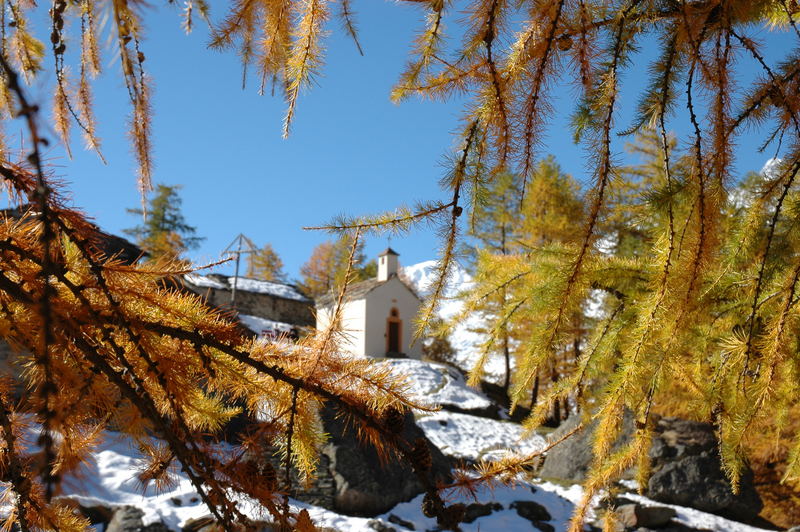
{"x":239,"y":241}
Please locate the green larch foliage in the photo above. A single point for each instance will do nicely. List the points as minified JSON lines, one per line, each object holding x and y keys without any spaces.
{"x":164,"y":231}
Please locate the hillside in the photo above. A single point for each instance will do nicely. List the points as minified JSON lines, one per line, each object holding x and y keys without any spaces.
{"x":109,"y":481}
{"x":467,"y":427}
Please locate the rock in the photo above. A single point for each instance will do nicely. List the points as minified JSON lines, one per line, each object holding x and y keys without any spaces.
{"x":535,"y":513}
{"x":475,"y":510}
{"x":198,"y":524}
{"x":673,"y":526}
{"x":685,"y":466}
{"x":209,"y":524}
{"x":361,"y":483}
{"x":401,"y":522}
{"x":351,"y":479}
{"x":570,"y":459}
{"x":380,"y":526}
{"x":686,"y":470}
{"x":633,"y":515}
{"x":126,"y":519}
{"x":617,"y":502}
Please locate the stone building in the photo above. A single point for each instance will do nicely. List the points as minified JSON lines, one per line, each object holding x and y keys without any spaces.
{"x":378,"y":314}
{"x":265,"y":307}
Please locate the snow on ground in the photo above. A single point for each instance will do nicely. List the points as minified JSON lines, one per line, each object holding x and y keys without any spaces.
{"x":687,"y":516}
{"x":460,"y":435}
{"x":506,"y":519}
{"x":697,"y":518}
{"x":264,"y":326}
{"x":436,"y":384}
{"x":109,"y":479}
{"x":474,"y":438}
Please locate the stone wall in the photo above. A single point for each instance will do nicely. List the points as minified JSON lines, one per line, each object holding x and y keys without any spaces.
{"x":262,"y":305}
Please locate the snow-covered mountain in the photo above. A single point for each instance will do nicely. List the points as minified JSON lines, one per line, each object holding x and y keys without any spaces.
{"x":465,"y":340}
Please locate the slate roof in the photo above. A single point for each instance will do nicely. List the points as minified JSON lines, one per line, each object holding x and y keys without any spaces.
{"x":358,"y":291}
{"x":245,"y":284}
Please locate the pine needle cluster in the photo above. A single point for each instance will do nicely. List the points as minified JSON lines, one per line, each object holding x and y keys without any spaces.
{"x":104,"y":344}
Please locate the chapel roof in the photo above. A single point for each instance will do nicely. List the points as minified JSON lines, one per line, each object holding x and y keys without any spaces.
{"x":358,"y":291}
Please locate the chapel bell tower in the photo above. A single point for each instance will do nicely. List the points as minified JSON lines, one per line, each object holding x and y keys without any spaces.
{"x":387,"y":264}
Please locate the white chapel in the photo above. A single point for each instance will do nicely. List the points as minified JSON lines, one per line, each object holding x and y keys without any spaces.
{"x":377,"y":314}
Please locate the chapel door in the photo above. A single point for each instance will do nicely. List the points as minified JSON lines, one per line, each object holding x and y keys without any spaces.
{"x":393,"y":332}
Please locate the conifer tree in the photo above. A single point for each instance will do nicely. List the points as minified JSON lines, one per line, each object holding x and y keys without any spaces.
{"x":164,"y":231}
{"x":493,"y":227}
{"x":507,"y":289}
{"x":329,"y":263}
{"x":317,"y":272}
{"x":265,"y":264}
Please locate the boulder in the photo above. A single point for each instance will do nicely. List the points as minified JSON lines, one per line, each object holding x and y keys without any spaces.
{"x":401,"y":522}
{"x":126,"y":519}
{"x":535,"y":513}
{"x":364,"y":485}
{"x":380,"y":526}
{"x":686,"y":470}
{"x":636,"y":515}
{"x":129,"y":519}
{"x":685,"y":466}
{"x":570,"y":459}
{"x":475,"y":510}
{"x":351,"y":478}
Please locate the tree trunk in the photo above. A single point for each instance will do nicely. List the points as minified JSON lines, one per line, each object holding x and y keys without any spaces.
{"x":535,"y":392}
{"x":507,"y":355}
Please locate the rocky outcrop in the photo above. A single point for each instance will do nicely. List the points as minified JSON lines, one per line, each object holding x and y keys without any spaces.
{"x":361,"y":483}
{"x":570,"y":459}
{"x":129,"y":519}
{"x":637,"y":515}
{"x":686,"y":471}
{"x":535,"y":513}
{"x":685,"y":467}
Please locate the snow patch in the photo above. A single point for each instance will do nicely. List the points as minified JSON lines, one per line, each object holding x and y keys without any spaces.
{"x":464,"y":339}
{"x":203,"y":281}
{"x":246,"y":284}
{"x":267,"y":287}
{"x":436,"y":384}
{"x":263,"y":326}
{"x":476,"y":438}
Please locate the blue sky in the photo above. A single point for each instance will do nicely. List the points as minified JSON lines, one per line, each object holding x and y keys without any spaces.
{"x":351,"y":150}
